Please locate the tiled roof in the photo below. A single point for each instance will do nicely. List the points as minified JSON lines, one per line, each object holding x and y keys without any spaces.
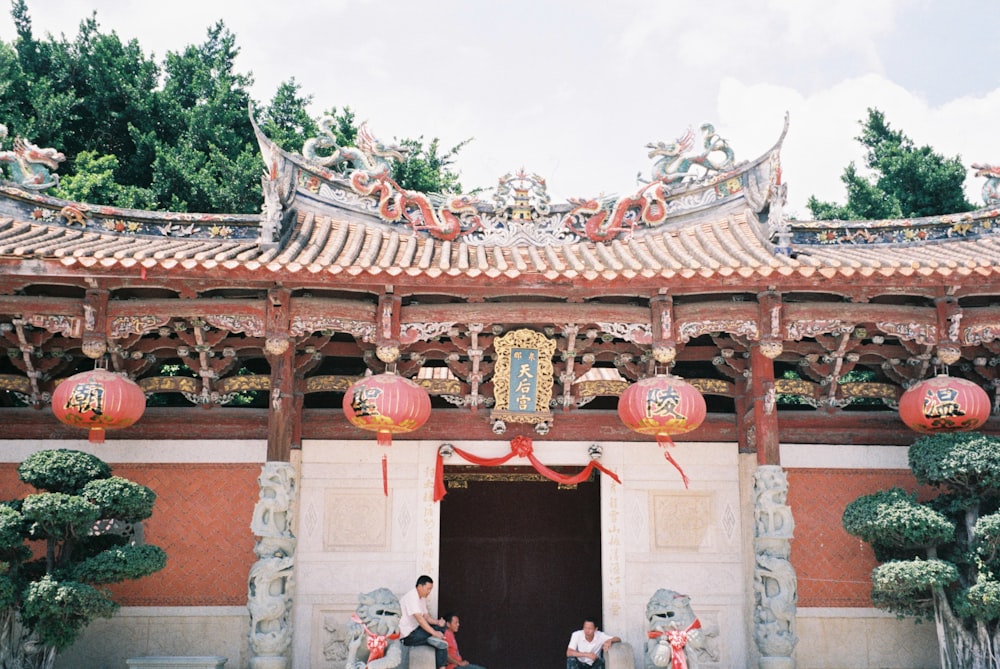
{"x":327,"y":245}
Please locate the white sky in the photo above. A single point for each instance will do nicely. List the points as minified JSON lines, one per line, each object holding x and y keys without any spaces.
{"x":574,"y":89}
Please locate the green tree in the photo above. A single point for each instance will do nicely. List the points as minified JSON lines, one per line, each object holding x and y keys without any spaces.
{"x":84,"y":94}
{"x":206,"y":157}
{"x":174,"y":135}
{"x":95,"y":181}
{"x":286,"y":120}
{"x":427,"y":169}
{"x":46,"y":600}
{"x":941,"y":558}
{"x":906,"y":180}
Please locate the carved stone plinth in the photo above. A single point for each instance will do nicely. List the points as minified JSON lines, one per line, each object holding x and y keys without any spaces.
{"x":269,"y":662}
{"x":776,"y":663}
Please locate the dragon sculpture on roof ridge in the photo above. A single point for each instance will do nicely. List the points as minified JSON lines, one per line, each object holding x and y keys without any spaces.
{"x":370,"y":155}
{"x":991,"y":189}
{"x":674,"y":161}
{"x":687,"y":179}
{"x":444,"y":216}
{"x":31,"y":167}
{"x":604,"y":219}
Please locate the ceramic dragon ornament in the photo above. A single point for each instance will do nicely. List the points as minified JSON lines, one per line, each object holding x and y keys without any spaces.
{"x":991,"y":189}
{"x":31,"y":167}
{"x":368,"y":169}
{"x":604,"y":219}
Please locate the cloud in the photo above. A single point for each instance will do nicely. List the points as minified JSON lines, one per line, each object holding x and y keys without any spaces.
{"x":826,"y":26}
{"x":824,"y":124}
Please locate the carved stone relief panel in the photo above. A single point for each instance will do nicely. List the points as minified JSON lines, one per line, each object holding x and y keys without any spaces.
{"x":328,"y":638}
{"x":680,"y":520}
{"x":355,"y":521}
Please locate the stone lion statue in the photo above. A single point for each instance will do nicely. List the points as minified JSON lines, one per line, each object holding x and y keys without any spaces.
{"x":672,"y":627}
{"x":373,"y":635}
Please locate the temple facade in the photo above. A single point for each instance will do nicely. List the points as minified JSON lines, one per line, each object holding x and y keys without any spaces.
{"x":524,"y":494}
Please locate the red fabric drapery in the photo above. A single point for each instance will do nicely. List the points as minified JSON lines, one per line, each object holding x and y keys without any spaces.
{"x":520,"y":446}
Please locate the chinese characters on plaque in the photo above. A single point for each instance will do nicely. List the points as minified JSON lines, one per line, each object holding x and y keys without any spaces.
{"x":523,"y":377}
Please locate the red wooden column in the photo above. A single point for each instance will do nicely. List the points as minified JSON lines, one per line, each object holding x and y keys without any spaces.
{"x":764,"y":410}
{"x":280,"y":354}
{"x":744,"y":416}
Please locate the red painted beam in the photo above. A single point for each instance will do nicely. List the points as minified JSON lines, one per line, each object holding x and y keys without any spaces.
{"x":806,"y":427}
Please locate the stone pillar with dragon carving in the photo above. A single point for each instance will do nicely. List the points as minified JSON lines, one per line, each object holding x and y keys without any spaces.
{"x":271,"y":583}
{"x":775,"y":584}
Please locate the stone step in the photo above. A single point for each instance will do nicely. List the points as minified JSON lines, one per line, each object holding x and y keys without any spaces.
{"x":417,"y":657}
{"x":178,"y":662}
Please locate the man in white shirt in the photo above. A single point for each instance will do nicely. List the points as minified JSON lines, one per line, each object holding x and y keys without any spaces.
{"x":417,"y":628}
{"x":586,"y":647}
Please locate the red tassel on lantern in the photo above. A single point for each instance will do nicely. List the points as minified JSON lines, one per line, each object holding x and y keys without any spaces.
{"x":944,"y":404}
{"x":98,"y":400}
{"x":662,"y":406}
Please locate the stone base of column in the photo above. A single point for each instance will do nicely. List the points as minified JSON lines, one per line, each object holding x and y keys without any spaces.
{"x":269,"y":662}
{"x":777,"y":663}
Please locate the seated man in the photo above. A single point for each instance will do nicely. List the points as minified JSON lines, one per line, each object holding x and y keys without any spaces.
{"x":416,"y":627}
{"x":587,"y":645}
{"x":451,"y":623}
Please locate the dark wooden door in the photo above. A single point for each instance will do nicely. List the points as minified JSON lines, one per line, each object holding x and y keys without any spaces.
{"x":521,"y":564}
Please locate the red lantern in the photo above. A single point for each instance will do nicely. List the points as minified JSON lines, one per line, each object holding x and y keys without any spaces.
{"x":99,"y":400}
{"x":662,"y":406}
{"x":944,"y":404}
{"x":387,"y":404}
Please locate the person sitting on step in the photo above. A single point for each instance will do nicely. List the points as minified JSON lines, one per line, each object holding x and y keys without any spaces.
{"x":586,"y":646}
{"x":417,"y":628}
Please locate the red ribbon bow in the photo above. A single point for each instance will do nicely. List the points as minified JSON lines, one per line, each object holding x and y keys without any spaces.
{"x":678,"y":639}
{"x":377,"y":643}
{"x":521,"y":446}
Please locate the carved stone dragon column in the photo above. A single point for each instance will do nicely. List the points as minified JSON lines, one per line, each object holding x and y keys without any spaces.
{"x":271,"y":584}
{"x":774,"y":580}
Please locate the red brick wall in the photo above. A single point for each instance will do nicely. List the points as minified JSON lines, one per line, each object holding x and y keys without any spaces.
{"x":203,"y":511}
{"x":834,"y":568}
{"x":201,"y":519}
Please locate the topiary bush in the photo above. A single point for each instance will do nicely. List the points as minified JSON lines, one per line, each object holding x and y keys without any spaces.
{"x":47,"y":600}
{"x":941,"y":558}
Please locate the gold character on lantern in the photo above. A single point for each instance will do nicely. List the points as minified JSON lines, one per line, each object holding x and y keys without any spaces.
{"x":663,"y":402}
{"x":363,"y":403}
{"x":940,"y":403}
{"x":86,"y":397}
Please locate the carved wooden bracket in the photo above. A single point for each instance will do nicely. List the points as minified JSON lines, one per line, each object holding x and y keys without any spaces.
{"x":771,"y":331}
{"x":662,"y":322}
{"x":387,"y":328}
{"x":277,"y":321}
{"x":949,"y":319}
{"x":95,"y":323}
